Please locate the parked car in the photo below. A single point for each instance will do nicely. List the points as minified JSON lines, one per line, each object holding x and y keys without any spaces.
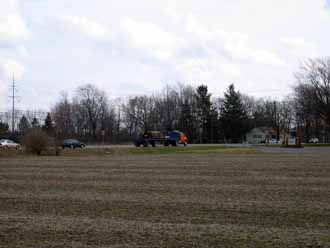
{"x":274,"y":141}
{"x":314,"y":140}
{"x":72,"y":143}
{"x":6,"y":144}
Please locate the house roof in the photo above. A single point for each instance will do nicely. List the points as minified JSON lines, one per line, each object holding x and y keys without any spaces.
{"x":266,"y":130}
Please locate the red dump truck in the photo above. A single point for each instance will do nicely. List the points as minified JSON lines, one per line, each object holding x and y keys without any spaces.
{"x":173,"y":138}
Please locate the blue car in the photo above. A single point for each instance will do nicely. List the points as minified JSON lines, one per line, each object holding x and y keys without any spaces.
{"x":72,"y":143}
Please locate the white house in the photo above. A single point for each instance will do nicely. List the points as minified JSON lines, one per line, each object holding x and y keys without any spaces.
{"x":260,"y":135}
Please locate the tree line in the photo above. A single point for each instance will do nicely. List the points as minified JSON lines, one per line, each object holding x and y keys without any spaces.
{"x":90,"y":115}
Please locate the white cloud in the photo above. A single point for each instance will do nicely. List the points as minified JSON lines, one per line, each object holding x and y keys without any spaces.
{"x":146,"y":40}
{"x":267,"y":58}
{"x":139,"y":39}
{"x":150,"y":38}
{"x":8,"y":67}
{"x":88,"y":27}
{"x":236,"y":45}
{"x":207,"y":70}
{"x":12,"y":25}
{"x":299,"y":47}
{"x":142,"y":43}
{"x":22,"y":51}
{"x":13,"y":30}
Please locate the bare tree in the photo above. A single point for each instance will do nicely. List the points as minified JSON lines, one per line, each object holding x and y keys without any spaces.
{"x":286,"y":114}
{"x":92,"y":104}
{"x":307,"y":117}
{"x":130,"y":118}
{"x":63,"y":116}
{"x":314,"y":81}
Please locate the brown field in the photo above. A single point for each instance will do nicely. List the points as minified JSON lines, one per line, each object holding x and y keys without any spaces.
{"x":168,"y":200}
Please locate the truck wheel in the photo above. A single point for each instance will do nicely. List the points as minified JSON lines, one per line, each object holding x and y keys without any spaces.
{"x":153,"y":144}
{"x":146,"y":144}
{"x":173,"y":143}
{"x":185,"y":143}
{"x":166,"y":143}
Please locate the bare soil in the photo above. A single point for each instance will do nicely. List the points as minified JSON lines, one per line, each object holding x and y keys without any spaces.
{"x":171,"y":200}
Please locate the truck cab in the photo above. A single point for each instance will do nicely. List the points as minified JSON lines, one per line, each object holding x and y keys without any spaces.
{"x":177,"y":137}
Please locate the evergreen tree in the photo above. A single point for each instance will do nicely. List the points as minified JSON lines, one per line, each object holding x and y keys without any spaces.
{"x":35,"y":123}
{"x":187,"y":121}
{"x":48,"y":127}
{"x":213,"y":125}
{"x":234,"y":118}
{"x":203,"y":99}
{"x":23,"y":125}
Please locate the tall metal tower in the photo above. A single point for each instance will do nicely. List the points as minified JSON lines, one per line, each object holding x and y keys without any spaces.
{"x":13,"y":97}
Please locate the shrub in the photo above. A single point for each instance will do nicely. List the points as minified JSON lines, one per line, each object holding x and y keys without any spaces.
{"x":36,"y":141}
{"x":54,"y":147}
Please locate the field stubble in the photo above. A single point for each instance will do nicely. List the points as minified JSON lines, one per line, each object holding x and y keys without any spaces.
{"x":171,"y":200}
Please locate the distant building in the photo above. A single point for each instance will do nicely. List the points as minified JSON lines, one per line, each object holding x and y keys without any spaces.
{"x":261,"y":135}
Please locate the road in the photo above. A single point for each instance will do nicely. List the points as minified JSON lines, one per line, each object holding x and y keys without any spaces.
{"x":262,"y":149}
{"x":190,"y":145}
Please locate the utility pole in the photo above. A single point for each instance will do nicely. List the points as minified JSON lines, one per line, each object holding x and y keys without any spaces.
{"x":13,"y":98}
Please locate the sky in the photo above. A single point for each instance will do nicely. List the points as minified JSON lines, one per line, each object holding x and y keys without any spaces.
{"x":137,"y":47}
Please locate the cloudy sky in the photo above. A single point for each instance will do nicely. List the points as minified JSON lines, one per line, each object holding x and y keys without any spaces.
{"x":133,"y":47}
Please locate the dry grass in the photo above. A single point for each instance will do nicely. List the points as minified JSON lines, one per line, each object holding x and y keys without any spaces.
{"x":124,"y":151}
{"x":173,"y":200}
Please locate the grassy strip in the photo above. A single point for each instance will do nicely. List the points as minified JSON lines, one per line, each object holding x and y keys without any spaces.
{"x":158,"y":151}
{"x":304,"y":144}
{"x":190,"y":150}
{"x":123,"y":151}
{"x":317,"y":145}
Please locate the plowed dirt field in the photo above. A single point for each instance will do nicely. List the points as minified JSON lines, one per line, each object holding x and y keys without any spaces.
{"x":171,"y":200}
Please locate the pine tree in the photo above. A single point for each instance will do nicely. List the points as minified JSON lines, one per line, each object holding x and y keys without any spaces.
{"x":213,"y":125}
{"x":35,"y":123}
{"x":234,"y":118}
{"x":23,"y":125}
{"x":203,"y":99}
{"x":48,"y":127}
